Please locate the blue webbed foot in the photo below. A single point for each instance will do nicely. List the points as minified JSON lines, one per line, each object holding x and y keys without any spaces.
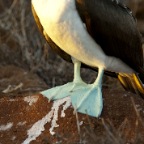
{"x":67,"y":89}
{"x":88,"y":100}
{"x":60,"y":92}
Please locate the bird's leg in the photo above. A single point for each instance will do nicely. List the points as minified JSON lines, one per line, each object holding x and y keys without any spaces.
{"x":77,"y":66}
{"x":88,"y":100}
{"x":77,"y":76}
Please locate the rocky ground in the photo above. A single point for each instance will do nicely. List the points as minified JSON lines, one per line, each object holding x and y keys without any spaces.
{"x":28,"y":66}
{"x":28,"y":117}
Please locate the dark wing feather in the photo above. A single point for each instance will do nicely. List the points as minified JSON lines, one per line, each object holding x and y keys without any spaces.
{"x":113,"y":27}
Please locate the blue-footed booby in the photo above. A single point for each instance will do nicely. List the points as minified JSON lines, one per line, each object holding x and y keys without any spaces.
{"x":98,"y":34}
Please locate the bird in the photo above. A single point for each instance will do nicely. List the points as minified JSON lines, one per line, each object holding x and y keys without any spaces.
{"x":98,"y":34}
